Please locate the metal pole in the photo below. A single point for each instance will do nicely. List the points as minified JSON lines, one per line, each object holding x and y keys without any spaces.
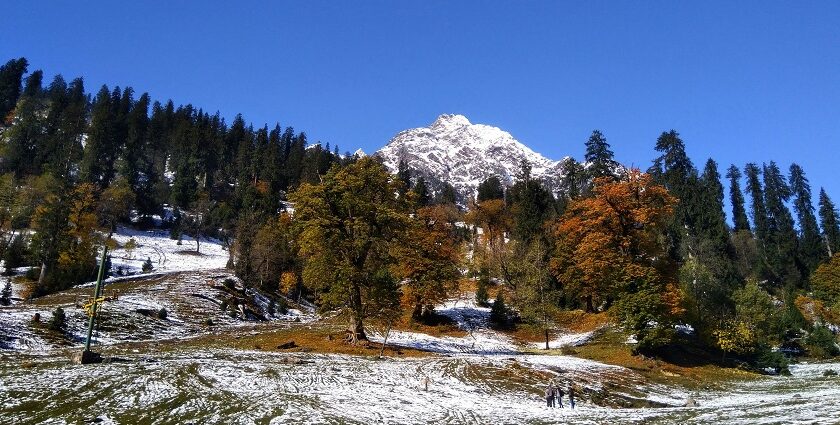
{"x":96,"y":293}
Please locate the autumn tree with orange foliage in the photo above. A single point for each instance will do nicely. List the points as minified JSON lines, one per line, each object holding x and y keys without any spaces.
{"x":428,"y":263}
{"x":610,"y":252}
{"x":493,"y":218}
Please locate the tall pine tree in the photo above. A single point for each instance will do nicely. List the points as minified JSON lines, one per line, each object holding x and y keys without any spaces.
{"x":97,"y":160}
{"x":11,"y":76}
{"x":736,"y":197}
{"x":599,"y":157}
{"x":781,"y":242}
{"x":811,"y":251}
{"x":674,"y":170}
{"x":830,"y":224}
{"x":27,"y":133}
{"x":759,"y":210}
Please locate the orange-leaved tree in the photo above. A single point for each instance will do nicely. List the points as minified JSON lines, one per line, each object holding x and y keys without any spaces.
{"x":610,"y":251}
{"x":428,"y":262}
{"x":493,"y":218}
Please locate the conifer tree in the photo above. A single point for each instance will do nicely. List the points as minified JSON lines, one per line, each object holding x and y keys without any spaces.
{"x":137,"y":125}
{"x":675,"y":171}
{"x":490,"y":189}
{"x":736,"y":197}
{"x":404,"y":175}
{"x":574,"y":183}
{"x":11,"y":76}
{"x":811,"y":250}
{"x":709,"y":275}
{"x":446,"y":195}
{"x":421,"y":191}
{"x":56,"y":101}
{"x":599,"y":157}
{"x":27,"y":133}
{"x":97,"y":160}
{"x":151,"y":163}
{"x":830,"y":224}
{"x":713,"y":232}
{"x":531,"y":204}
{"x":781,"y":242}
{"x":759,"y":210}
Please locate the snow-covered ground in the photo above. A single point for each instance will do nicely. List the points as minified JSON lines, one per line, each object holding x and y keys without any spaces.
{"x":237,"y":387}
{"x":480,"y":339}
{"x":566,"y":340}
{"x":130,"y":312}
{"x":166,"y":254}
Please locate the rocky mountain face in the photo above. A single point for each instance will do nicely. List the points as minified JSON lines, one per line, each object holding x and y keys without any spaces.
{"x":463,"y":154}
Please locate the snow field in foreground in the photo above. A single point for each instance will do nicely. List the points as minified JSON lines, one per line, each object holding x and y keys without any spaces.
{"x":244,"y":387}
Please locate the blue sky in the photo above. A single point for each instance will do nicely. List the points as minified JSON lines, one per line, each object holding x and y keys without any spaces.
{"x":741,"y":81}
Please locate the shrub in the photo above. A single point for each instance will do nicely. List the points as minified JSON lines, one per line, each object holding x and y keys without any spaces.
{"x":499,"y":311}
{"x":281,"y":306}
{"x":6,"y":294}
{"x":821,"y":343}
{"x":15,"y":255}
{"x":774,"y":360}
{"x":830,"y":372}
{"x":147,"y":265}
{"x":130,"y":246}
{"x":229,"y":283}
{"x":162,"y":313}
{"x":481,"y":295}
{"x":59,"y":321}
{"x":33,"y":273}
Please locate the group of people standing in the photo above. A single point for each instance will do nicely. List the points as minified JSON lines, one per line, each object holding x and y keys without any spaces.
{"x":554,"y":395}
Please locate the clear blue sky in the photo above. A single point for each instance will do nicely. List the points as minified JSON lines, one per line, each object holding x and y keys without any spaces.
{"x":741,"y":81}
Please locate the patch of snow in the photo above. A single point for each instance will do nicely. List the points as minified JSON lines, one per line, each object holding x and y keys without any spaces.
{"x":566,"y":340}
{"x":165,"y":253}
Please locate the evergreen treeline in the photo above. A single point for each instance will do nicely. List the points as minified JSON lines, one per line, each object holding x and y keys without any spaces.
{"x":119,"y":156}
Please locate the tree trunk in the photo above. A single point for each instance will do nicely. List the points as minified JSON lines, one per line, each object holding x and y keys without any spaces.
{"x":546,"y":338}
{"x":589,"y":307}
{"x":417,"y":312}
{"x":197,"y":237}
{"x":356,"y":330}
{"x":385,"y":341}
{"x":42,"y":277}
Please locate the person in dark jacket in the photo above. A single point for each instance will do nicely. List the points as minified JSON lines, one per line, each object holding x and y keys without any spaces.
{"x":572,"y":395}
{"x":558,"y":394}
{"x":549,"y":395}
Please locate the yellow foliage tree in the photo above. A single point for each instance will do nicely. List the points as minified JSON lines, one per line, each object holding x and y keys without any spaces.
{"x":736,"y":337}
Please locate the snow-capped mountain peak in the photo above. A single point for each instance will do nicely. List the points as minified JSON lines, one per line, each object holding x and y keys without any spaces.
{"x":454,"y":150}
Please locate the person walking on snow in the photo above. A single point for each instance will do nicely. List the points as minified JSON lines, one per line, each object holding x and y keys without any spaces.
{"x":559,"y":396}
{"x":572,"y":395}
{"x":549,"y":395}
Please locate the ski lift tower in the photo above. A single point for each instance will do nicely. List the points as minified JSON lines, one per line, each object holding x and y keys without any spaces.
{"x":89,"y":356}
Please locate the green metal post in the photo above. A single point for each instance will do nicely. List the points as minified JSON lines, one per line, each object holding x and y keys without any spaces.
{"x":96,"y":294}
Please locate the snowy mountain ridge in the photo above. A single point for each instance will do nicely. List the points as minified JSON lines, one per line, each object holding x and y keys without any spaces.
{"x":454,"y":150}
